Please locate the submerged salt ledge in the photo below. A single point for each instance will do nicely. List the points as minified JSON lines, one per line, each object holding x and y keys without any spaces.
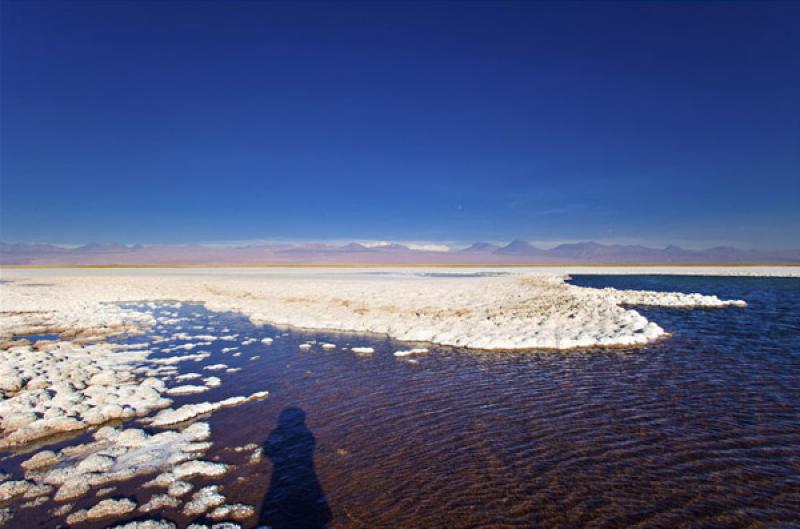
{"x":517,"y":311}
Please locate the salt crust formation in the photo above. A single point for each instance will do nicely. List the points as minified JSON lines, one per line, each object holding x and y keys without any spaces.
{"x":62,"y":386}
{"x":119,"y":454}
{"x":79,"y":381}
{"x":54,"y":386}
{"x":187,"y":412}
{"x":516,"y":311}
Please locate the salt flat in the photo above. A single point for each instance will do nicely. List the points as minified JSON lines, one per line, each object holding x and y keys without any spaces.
{"x":487,"y":308}
{"x":82,"y":382}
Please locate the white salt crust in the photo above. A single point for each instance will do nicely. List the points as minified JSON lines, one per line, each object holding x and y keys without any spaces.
{"x":159,"y":502}
{"x":212,"y":382}
{"x":203,"y":500}
{"x":62,"y":386}
{"x":104,"y":509}
{"x":186,"y":412}
{"x":146,"y":524}
{"x":410,"y":352}
{"x":187,"y":390}
{"x":237,"y":511}
{"x":117,"y":455}
{"x":527,"y":309}
{"x":222,"y":525}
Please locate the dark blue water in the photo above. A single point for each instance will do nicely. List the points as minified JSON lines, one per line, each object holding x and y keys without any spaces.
{"x":701,"y":430}
{"x":767,"y":331}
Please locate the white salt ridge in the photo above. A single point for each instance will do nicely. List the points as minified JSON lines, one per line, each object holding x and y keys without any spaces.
{"x":188,"y":376}
{"x":203,"y":500}
{"x":22,"y":488}
{"x":146,"y":524}
{"x":186,"y":390}
{"x":222,"y":525}
{"x":104,"y":509}
{"x":189,"y":411}
{"x":160,"y":502}
{"x":526,"y":309}
{"x":175,"y":486}
{"x":32,"y":504}
{"x":212,"y":382}
{"x":409,"y":352}
{"x":363,"y":350}
{"x":184,"y":347}
{"x":305,"y":346}
{"x":170,"y":360}
{"x":216,"y":367}
{"x":237,"y":511}
{"x":199,"y":468}
{"x":267,"y":341}
{"x":329,"y":346}
{"x":179,"y":488}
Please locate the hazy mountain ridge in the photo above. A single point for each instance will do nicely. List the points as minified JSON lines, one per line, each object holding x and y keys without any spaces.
{"x":515,"y":252}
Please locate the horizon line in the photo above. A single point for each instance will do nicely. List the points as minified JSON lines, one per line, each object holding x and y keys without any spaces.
{"x":400,"y":265}
{"x":419,"y":246}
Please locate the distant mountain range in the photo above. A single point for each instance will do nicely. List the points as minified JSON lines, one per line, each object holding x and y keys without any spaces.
{"x":515,"y":252}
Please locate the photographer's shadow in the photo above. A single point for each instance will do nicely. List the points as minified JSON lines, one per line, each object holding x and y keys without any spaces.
{"x":295,"y":499}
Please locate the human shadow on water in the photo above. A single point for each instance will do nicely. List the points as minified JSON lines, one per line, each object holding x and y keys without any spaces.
{"x":295,"y":499}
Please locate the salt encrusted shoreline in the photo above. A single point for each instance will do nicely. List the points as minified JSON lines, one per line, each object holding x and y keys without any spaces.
{"x":71,"y":385}
{"x":48,"y":387}
{"x":517,"y":311}
{"x":51,"y":387}
{"x":80,"y":381}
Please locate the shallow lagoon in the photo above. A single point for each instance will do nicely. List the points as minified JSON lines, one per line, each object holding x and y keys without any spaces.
{"x":698,"y":430}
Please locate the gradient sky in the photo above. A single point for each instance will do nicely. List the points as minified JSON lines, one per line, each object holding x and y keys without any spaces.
{"x":178,"y":122}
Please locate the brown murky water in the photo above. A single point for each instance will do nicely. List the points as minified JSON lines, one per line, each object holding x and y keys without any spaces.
{"x":701,"y":430}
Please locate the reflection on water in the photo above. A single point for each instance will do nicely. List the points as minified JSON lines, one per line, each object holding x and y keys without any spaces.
{"x":295,"y":499}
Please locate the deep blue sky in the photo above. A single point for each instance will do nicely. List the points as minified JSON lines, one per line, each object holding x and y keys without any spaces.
{"x":177,"y":122}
